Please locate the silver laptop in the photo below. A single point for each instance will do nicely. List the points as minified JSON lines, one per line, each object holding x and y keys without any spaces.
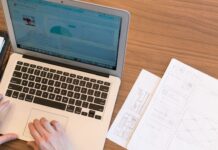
{"x":67,"y":64}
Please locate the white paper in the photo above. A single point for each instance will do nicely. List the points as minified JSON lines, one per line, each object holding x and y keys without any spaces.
{"x":2,"y":41}
{"x":183,"y":113}
{"x":131,"y":112}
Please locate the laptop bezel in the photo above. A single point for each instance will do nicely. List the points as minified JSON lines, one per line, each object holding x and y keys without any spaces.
{"x":125,"y":15}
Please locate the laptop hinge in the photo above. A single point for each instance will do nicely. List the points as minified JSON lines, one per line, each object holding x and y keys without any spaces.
{"x":66,"y":66}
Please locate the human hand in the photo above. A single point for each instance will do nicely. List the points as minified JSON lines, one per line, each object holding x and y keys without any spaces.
{"x":48,"y":136}
{"x":4,"y":106}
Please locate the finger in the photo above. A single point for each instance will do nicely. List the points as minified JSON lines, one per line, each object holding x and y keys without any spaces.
{"x":32,"y":144}
{"x":47,"y":125}
{"x":4,"y":105}
{"x":34,"y":133}
{"x":1,"y":97}
{"x":57,"y":126}
{"x":39,"y":128}
{"x":7,"y":138}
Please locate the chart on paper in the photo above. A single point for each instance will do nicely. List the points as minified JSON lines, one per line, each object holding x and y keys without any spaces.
{"x":182,"y":114}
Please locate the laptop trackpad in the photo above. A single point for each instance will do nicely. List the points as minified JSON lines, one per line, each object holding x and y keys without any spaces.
{"x":38,"y":114}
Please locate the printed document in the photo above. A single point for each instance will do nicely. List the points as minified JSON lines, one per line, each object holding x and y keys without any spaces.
{"x":134,"y":107}
{"x":182,"y":114}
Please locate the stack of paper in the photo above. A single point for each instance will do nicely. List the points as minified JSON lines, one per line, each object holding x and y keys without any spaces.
{"x":182,"y":114}
{"x":2,"y":42}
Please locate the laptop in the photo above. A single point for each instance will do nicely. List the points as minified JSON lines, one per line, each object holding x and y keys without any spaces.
{"x":66,"y":66}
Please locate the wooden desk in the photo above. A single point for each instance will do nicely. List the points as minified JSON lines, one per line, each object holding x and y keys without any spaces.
{"x":160,"y":30}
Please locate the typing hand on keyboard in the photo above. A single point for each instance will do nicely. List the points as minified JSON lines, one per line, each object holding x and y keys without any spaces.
{"x":4,"y":106}
{"x":48,"y":136}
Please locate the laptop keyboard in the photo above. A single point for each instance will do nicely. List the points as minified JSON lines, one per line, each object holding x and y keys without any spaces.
{"x":61,"y":90}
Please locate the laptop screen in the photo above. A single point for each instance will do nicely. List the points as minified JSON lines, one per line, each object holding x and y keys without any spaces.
{"x":67,"y":32}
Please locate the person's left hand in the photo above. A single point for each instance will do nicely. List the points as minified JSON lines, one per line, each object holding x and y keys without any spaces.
{"x":4,"y":106}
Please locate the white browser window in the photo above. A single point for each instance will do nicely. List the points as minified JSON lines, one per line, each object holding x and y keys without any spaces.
{"x":2,"y":41}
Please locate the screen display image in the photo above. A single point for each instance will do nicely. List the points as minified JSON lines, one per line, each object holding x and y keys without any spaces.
{"x":67,"y":32}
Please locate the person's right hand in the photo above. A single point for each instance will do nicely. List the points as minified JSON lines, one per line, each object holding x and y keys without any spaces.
{"x":48,"y":136}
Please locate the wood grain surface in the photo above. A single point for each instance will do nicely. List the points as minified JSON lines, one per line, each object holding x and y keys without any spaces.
{"x":160,"y":30}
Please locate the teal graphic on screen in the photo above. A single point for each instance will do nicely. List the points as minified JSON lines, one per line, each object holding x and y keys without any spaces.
{"x":68,"y":32}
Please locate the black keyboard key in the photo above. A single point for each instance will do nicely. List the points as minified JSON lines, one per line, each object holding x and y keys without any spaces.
{"x":33,"y":66}
{"x":52,"y":70}
{"x":32,"y":91}
{"x":97,"y":93}
{"x":84,"y":90}
{"x":78,"y":110}
{"x":20,"y":63}
{"x":75,"y":81}
{"x":9,"y":93}
{"x":95,"y":86}
{"x":30,"y":70}
{"x":24,"y":69}
{"x":82,"y":83}
{"x":43,"y":74}
{"x":88,"y":84}
{"x":17,"y":74}
{"x":21,"y":96}
{"x":26,"y":64}
{"x":25,"y":89}
{"x":64,"y":92}
{"x":14,"y":87}
{"x":70,"y":108}
{"x":49,"y":103}
{"x":85,"y":105}
{"x":51,"y":82}
{"x":50,"y":75}
{"x":51,"y":96}
{"x":46,"y":69}
{"x":107,"y":83}
{"x":63,"y":85}
{"x":72,"y":75}
{"x":31,"y":84}
{"x":59,"y":72}
{"x":90,"y":99}
{"x":65,"y":100}
{"x":77,"y":95}
{"x":58,"y":98}
{"x":96,"y":107}
{"x":79,"y":77}
{"x":37,"y":86}
{"x":91,"y":113}
{"x":57,"y":90}
{"x":70,"y":87}
{"x":25,"y":76}
{"x":98,"y":117}
{"x":44,"y":81}
{"x":84,"y":113}
{"x":56,"y":77}
{"x":38,"y":79}
{"x":93,"y":80}
{"x":103,"y":95}
{"x":99,"y":101}
{"x":69,"y":80}
{"x":104,"y":88}
{"x":66,"y":74}
{"x":50,"y":89}
{"x":83,"y":97}
{"x":63,"y":78}
{"x":24,"y":82}
{"x":29,"y":98}
{"x":39,"y":67}
{"x":72,"y":101}
{"x":38,"y":93}
{"x":18,"y":68}
{"x":86,"y":79}
{"x":16,"y":80}
{"x":77,"y":89}
{"x":70,"y":94}
{"x":36,"y":72}
{"x":57,"y":84}
{"x":45,"y":94}
{"x":100,"y":82}
{"x":31,"y":78}
{"x":44,"y":87}
{"x":15,"y":94}
{"x":78,"y":103}
{"x":90,"y":92}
